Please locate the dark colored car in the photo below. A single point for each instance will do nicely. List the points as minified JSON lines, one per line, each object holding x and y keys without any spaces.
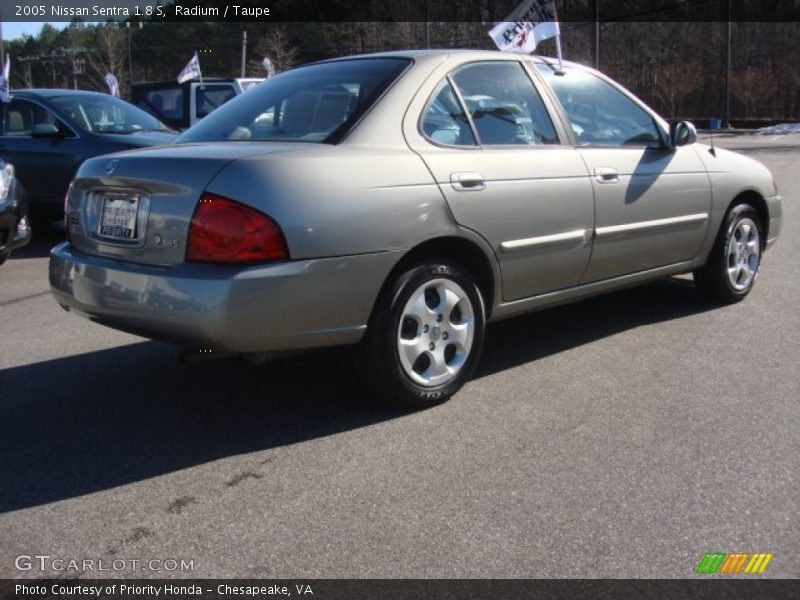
{"x":15,"y":227}
{"x":181,"y":105}
{"x":47,"y":134}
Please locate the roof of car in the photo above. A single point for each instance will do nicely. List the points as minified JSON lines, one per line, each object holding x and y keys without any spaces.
{"x":50,"y":93}
{"x":175,"y":83}
{"x":444,"y":52}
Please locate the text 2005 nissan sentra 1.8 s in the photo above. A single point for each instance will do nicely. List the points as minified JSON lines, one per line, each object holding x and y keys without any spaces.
{"x":401,"y":201}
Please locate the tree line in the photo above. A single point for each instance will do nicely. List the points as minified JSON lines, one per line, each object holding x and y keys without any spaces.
{"x":677,"y":66}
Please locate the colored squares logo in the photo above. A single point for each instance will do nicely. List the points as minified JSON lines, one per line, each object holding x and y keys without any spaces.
{"x":735,"y":563}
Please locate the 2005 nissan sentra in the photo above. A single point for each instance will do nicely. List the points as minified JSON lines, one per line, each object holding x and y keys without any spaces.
{"x":401,"y":201}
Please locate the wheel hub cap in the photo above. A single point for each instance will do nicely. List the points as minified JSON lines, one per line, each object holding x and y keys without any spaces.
{"x":436,"y":331}
{"x":744,"y":254}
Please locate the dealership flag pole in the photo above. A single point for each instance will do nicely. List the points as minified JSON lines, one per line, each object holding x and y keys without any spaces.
{"x":526,"y":26}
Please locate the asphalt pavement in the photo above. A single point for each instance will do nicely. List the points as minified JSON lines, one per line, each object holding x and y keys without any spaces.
{"x":623,"y":436}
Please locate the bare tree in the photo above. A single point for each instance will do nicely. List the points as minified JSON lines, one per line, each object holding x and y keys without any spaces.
{"x":276,"y":46}
{"x":109,"y":57}
{"x":753,"y":88}
{"x":672,"y":84}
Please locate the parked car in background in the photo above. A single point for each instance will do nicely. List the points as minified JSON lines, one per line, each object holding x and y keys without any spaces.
{"x":47,"y":134}
{"x":181,"y":105}
{"x":15,"y":226}
{"x":401,"y":201}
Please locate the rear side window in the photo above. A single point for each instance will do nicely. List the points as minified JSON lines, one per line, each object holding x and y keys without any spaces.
{"x":210,"y":97}
{"x":316,"y":103}
{"x":599,"y":113}
{"x":168,"y":103}
{"x":444,"y":120}
{"x":504,"y":105}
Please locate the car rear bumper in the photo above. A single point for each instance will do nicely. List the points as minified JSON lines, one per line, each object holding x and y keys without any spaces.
{"x":281,"y":306}
{"x":14,"y":232}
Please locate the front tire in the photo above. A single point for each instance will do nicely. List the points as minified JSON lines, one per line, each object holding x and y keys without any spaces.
{"x":4,"y":256}
{"x":426,"y":335}
{"x":732,"y":266}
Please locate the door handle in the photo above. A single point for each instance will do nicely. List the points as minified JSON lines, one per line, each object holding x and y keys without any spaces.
{"x":606,"y":175}
{"x":467,"y":182}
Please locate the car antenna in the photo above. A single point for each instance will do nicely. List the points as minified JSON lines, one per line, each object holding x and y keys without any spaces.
{"x":712,"y":150}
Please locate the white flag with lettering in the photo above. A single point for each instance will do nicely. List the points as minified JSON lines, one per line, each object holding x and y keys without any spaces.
{"x":113,"y":84}
{"x":191,"y":70}
{"x":5,"y":84}
{"x":269,"y":67}
{"x":529,"y":23}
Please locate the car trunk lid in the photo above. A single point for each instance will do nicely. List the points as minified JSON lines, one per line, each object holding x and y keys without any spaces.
{"x":137,"y":206}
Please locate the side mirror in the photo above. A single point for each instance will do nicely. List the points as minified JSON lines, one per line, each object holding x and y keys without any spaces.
{"x":45,"y":130}
{"x":682,"y":133}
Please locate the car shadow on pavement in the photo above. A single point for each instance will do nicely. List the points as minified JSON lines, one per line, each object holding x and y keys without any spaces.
{"x":547,"y":332}
{"x":90,"y":422}
{"x":86,"y":423}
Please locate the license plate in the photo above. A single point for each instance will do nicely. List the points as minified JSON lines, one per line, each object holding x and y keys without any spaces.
{"x":118,"y":218}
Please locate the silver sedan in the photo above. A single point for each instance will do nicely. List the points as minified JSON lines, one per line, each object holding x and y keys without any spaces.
{"x":401,"y":201}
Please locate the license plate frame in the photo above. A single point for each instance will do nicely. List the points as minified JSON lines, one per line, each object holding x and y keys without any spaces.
{"x":119,"y":217}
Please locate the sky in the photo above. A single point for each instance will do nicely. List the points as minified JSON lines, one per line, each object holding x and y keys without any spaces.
{"x":17,"y":29}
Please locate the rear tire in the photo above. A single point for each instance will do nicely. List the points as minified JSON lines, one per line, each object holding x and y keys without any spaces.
{"x":4,"y":256}
{"x":732,"y":266}
{"x":426,"y":335}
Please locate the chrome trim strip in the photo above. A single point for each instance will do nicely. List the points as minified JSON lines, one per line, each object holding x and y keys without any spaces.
{"x":570,"y":236}
{"x":638,"y":226}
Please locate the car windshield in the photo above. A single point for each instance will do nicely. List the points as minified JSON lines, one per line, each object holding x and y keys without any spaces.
{"x":106,"y":114}
{"x":309,"y":104}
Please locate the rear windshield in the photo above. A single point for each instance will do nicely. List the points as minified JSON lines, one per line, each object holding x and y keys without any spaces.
{"x":309,"y":104}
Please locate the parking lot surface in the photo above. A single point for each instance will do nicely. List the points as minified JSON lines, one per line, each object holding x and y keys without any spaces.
{"x":623,"y":436}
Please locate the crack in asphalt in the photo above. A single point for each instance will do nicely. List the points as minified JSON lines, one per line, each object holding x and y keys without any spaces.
{"x":23,"y":298}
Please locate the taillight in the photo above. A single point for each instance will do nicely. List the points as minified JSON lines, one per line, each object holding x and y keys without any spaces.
{"x":225,"y":231}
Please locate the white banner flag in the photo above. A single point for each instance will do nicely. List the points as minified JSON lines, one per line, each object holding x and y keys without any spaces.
{"x":5,"y":84}
{"x":529,"y":23}
{"x":269,"y":67}
{"x":113,"y":84}
{"x":191,"y":70}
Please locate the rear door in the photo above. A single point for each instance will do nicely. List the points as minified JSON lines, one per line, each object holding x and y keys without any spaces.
{"x":652,"y":201}
{"x":488,"y":138}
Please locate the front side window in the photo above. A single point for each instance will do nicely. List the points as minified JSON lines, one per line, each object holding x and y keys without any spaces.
{"x":101,"y":113}
{"x":21,"y":116}
{"x":504,"y":106}
{"x":316,"y":103}
{"x":599,"y":113}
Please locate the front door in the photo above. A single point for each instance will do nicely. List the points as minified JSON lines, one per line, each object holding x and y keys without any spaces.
{"x":45,"y":165}
{"x":652,"y":201}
